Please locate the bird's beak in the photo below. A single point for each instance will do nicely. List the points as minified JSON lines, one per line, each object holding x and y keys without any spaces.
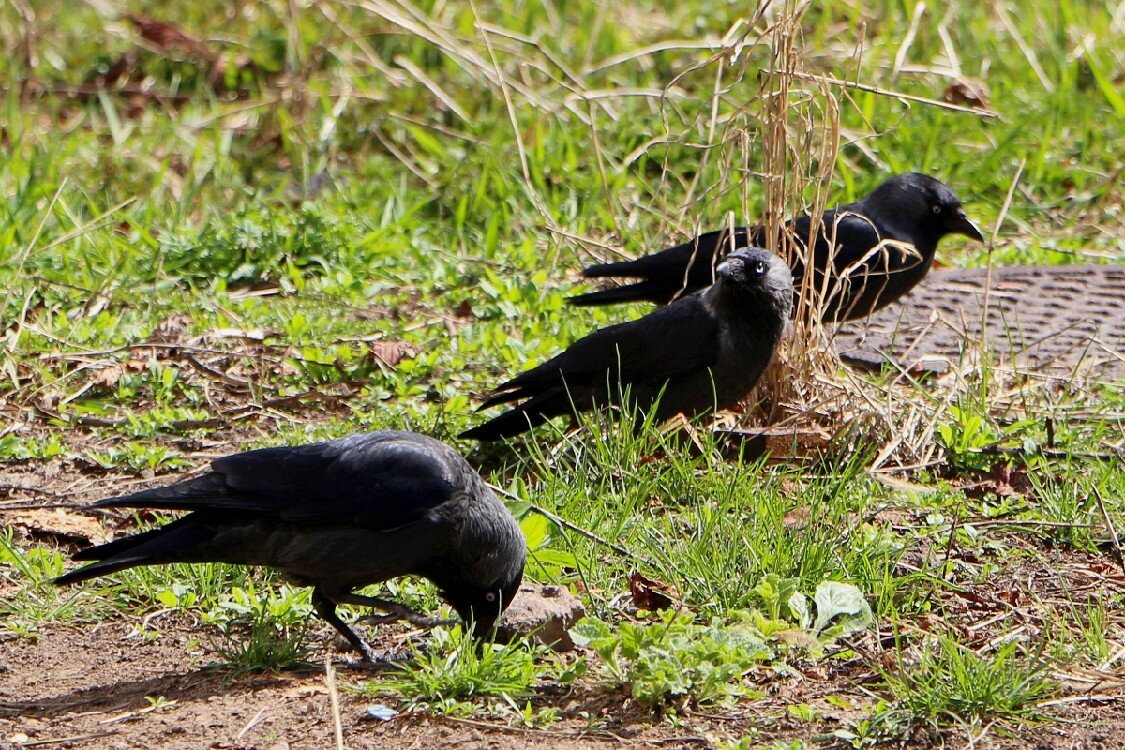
{"x":729,"y":269}
{"x":484,"y":632}
{"x":962,"y":224}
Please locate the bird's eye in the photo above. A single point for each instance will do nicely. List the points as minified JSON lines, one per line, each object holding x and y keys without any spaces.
{"x":759,"y":269}
{"x":936,"y":208}
{"x":490,"y":597}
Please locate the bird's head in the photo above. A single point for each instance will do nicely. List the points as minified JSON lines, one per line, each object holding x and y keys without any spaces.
{"x":480,"y":607}
{"x":917,"y":200}
{"x":752,"y":269}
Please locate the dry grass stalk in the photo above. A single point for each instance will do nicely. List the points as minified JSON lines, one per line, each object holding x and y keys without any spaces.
{"x":794,"y":124}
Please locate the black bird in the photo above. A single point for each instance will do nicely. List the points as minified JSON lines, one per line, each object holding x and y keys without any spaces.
{"x":876,"y":250}
{"x":338,"y":516}
{"x":700,"y":353}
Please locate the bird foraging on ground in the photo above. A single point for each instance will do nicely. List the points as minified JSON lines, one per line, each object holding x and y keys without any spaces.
{"x":701,"y":353}
{"x":339,"y":516}
{"x":866,"y":254}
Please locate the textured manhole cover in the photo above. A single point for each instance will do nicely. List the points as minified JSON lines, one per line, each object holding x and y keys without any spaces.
{"x":1049,"y":319}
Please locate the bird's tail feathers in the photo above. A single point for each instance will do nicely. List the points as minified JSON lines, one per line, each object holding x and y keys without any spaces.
{"x":526,"y":416}
{"x":642,"y":291}
{"x":164,"y":545}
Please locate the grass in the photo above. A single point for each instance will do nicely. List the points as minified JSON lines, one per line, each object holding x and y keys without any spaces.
{"x":360,"y":216}
{"x":454,"y":669}
{"x":949,"y":685}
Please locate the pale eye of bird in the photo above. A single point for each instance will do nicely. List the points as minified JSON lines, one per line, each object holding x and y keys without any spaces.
{"x":937,"y":208}
{"x":490,"y":597}
{"x":760,"y":268}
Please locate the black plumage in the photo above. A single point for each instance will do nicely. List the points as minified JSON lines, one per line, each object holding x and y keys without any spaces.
{"x":338,"y":516}
{"x":703,"y":352}
{"x":874,"y":251}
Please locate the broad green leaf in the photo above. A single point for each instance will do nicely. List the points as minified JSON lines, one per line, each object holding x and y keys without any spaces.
{"x":835,"y":599}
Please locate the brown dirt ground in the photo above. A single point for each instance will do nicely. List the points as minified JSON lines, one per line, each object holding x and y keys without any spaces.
{"x":87,"y":686}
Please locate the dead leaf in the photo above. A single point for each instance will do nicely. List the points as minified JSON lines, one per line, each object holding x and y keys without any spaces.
{"x":166,"y":36}
{"x":650,"y":594}
{"x":463,"y":310}
{"x":797,"y":638}
{"x":108,"y":377}
{"x":968,"y":92}
{"x":390,"y":353}
{"x":797,"y":518}
{"x":121,"y":69}
{"x":1002,"y":481}
{"x":169,"y":330}
{"x":890,"y":517}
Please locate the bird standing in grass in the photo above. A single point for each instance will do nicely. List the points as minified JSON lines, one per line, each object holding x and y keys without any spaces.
{"x":866,"y":255}
{"x":339,"y":516}
{"x":701,"y":353}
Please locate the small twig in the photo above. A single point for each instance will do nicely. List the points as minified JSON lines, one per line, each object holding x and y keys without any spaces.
{"x":47,"y":493}
{"x":1027,"y":49}
{"x":1004,"y":450}
{"x":896,"y":94}
{"x":36,"y":506}
{"x":252,"y":723}
{"x":1110,"y":528}
{"x":572,"y":527}
{"x":334,"y":697}
{"x":911,"y":35}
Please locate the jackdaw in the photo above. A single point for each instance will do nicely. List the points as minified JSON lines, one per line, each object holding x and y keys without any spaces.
{"x":339,"y":516}
{"x":876,"y":250}
{"x":701,"y":353}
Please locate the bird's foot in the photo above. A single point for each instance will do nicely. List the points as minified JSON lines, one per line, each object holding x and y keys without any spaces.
{"x":371,"y":661}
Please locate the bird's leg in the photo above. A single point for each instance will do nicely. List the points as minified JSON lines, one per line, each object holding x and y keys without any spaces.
{"x":326,"y":608}
{"x":394,"y":610}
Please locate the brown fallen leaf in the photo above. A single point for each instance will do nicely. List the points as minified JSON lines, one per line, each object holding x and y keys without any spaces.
{"x":797,"y":518}
{"x":167,"y":36}
{"x":650,"y":594}
{"x":968,"y":92}
{"x":390,"y":353}
{"x":122,"y":69}
{"x":463,"y":310}
{"x":107,"y":378}
{"x":1002,"y":481}
{"x":170,"y":330}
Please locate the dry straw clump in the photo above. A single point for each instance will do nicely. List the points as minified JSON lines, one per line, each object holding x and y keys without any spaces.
{"x":784,"y":136}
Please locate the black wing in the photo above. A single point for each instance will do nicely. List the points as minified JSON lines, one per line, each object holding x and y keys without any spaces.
{"x":379,"y":480}
{"x":868,"y":267}
{"x":667,"y":343}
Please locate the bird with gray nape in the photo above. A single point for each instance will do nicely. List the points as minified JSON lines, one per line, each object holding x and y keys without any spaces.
{"x":865,"y":254}
{"x":701,"y":353}
{"x":339,"y":516}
